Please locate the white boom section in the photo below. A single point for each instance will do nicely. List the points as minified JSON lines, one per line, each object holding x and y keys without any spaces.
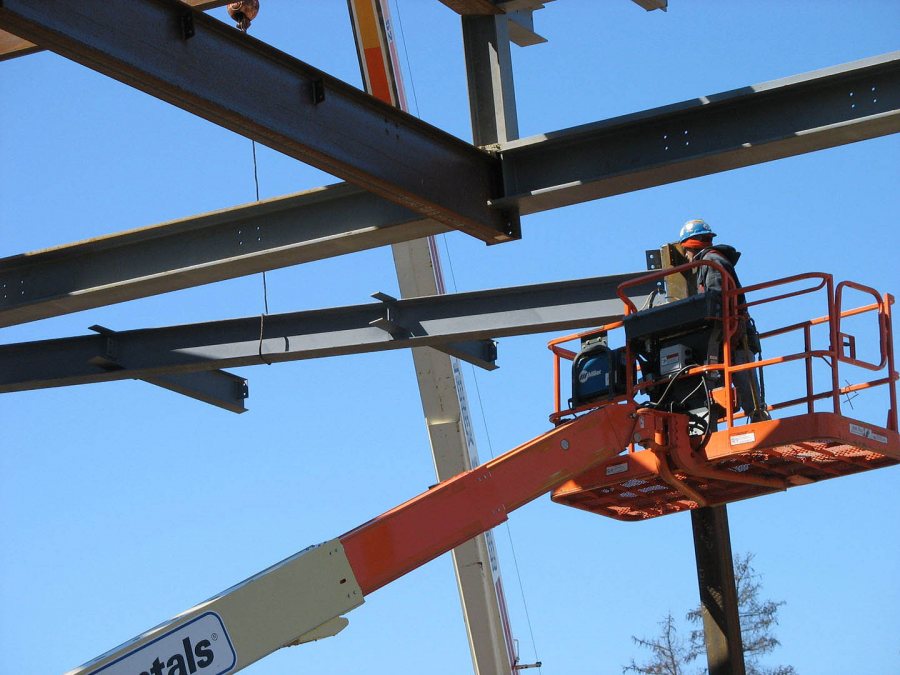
{"x":440,"y":380}
{"x":450,"y":432}
{"x":311,"y":588}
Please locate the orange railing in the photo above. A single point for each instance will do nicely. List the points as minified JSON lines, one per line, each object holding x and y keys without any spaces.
{"x":836,"y":352}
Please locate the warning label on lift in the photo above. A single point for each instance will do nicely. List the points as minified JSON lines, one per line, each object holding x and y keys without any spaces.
{"x":867,"y":433}
{"x":741,"y":439}
{"x":201,"y":646}
{"x":617,"y":468}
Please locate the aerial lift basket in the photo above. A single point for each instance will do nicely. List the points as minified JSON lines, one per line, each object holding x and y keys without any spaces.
{"x":674,"y":468}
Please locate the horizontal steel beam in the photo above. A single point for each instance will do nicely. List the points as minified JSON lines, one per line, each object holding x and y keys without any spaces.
{"x":434,"y":321}
{"x":215,"y":387}
{"x":650,"y":5}
{"x":473,"y":7}
{"x":186,"y":58}
{"x":778,"y":119}
{"x":12,"y":46}
{"x":299,"y":228}
{"x":756,"y":124}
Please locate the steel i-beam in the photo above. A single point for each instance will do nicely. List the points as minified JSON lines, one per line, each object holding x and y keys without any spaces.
{"x":185,"y":57}
{"x":307,"y":226}
{"x":215,"y":387}
{"x":12,"y":46}
{"x":440,"y":321}
{"x":751,"y":125}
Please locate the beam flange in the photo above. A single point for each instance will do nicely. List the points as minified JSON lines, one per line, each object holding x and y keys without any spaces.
{"x":184,"y":57}
{"x":215,"y":387}
{"x":761,"y":123}
{"x":438,"y":321}
{"x":473,"y":7}
{"x":783,"y":118}
{"x":12,"y":46}
{"x":650,"y":5}
{"x":303,"y":227}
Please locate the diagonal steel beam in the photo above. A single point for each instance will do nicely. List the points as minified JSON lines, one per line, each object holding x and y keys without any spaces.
{"x":299,"y":228}
{"x":783,"y":118}
{"x":186,"y":58}
{"x":394,"y":324}
{"x":12,"y":46}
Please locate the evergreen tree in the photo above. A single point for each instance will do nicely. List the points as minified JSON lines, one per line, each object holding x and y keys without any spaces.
{"x":671,"y":655}
{"x":669,"y":652}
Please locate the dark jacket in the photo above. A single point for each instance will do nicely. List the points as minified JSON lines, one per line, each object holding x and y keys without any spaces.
{"x":710,"y":278}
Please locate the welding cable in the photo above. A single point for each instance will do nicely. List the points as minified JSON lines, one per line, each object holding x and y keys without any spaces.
{"x":648,"y":303}
{"x":665,"y":393}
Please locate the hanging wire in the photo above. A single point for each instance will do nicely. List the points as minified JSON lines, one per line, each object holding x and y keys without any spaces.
{"x":474,"y":374}
{"x":487,"y":435}
{"x":243,"y":13}
{"x":256,"y":181}
{"x":412,"y":82}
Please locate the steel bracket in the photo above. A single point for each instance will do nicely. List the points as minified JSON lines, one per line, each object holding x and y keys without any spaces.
{"x":216,"y":387}
{"x":481,"y":353}
{"x":109,"y":358}
{"x":390,"y":323}
{"x":187,"y":26}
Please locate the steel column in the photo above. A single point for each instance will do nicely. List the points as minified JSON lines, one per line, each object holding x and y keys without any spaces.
{"x":822,"y":109}
{"x":415,"y":322}
{"x":185,"y":57}
{"x":718,"y":595}
{"x":492,"y":96}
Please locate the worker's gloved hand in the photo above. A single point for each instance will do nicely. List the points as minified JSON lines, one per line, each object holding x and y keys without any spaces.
{"x":760,"y":416}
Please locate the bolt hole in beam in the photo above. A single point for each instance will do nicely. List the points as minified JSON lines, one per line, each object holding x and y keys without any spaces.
{"x":714,"y":133}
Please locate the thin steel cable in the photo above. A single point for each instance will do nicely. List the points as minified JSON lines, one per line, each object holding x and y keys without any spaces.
{"x":474,"y":374}
{"x":242,"y":26}
{"x":255,"y":169}
{"x":412,"y":82}
{"x":487,"y":435}
{"x":256,"y":182}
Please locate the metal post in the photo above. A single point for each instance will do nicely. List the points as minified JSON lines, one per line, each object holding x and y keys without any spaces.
{"x":718,"y":593}
{"x":492,"y":96}
{"x":441,"y":385}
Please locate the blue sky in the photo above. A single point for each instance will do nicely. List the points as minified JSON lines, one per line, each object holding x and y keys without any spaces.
{"x":122,"y":504}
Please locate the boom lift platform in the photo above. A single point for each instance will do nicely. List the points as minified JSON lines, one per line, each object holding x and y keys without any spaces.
{"x":673,"y":460}
{"x":676,"y":469}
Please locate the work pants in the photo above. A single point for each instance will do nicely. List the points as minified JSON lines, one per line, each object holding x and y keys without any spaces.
{"x":746,"y":382}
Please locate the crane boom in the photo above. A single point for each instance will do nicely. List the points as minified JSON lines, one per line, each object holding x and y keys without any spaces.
{"x":302,"y":598}
{"x":441,"y":385}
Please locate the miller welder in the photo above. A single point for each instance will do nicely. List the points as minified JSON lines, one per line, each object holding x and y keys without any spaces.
{"x":669,"y":339}
{"x":598,"y":372}
{"x":665,"y":341}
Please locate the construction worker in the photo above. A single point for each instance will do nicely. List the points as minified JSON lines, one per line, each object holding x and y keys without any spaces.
{"x":696,"y":238}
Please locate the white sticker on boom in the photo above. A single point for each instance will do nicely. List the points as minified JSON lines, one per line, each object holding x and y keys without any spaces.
{"x":741,"y":439}
{"x":867,"y":433}
{"x":613,"y":469}
{"x":199,"y":647}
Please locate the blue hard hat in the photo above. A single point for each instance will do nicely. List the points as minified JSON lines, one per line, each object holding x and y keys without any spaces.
{"x":695,"y":228}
